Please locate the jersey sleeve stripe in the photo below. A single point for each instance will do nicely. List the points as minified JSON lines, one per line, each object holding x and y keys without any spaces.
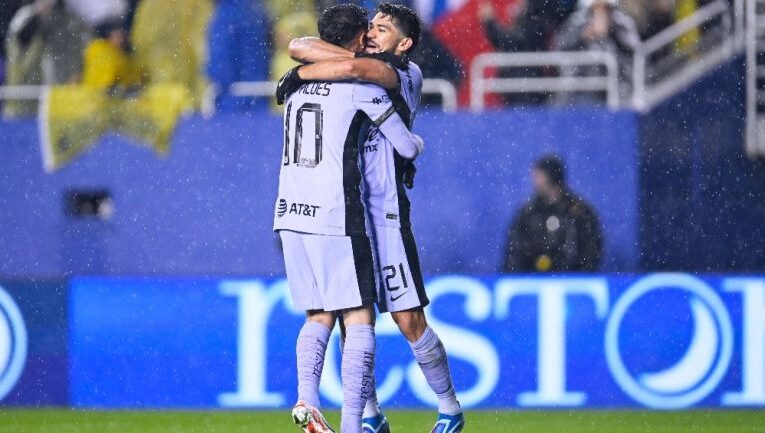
{"x":389,"y":112}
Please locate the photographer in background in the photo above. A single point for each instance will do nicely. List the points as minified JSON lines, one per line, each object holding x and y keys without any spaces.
{"x":556,"y":231}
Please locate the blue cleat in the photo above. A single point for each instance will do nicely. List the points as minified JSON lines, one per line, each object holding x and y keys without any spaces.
{"x":375,"y":424}
{"x":449,"y":423}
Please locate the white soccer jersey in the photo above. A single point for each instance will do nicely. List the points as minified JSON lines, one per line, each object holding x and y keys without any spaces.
{"x":385,"y":195}
{"x":320,"y":177}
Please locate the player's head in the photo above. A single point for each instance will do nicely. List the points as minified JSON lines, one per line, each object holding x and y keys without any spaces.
{"x":113,"y":31}
{"x":394,"y":29}
{"x":548,"y":175}
{"x":344,"y":25}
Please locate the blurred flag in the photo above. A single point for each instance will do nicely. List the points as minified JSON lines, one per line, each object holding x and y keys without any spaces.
{"x":432,"y":10}
{"x":73,"y":118}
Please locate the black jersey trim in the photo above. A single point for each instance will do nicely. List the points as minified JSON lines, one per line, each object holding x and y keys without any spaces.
{"x":399,"y":162}
{"x":354,"y":206}
{"x":410,"y":249}
{"x":404,"y":205}
{"x":401,"y":107}
{"x":363,"y":261}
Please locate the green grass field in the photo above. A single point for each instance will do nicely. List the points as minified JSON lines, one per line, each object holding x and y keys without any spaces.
{"x":66,"y":421}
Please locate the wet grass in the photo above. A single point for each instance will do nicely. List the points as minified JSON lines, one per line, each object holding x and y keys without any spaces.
{"x":562,"y":421}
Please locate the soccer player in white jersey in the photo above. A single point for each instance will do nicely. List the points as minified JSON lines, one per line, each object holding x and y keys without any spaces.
{"x":321,"y":218}
{"x":395,"y":29}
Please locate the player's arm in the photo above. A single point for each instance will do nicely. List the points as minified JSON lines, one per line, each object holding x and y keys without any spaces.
{"x":312,"y":50}
{"x":361,"y":69}
{"x":394,"y":129}
{"x":376,"y":103}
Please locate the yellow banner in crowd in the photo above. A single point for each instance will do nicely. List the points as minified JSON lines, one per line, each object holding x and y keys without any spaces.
{"x":73,"y":118}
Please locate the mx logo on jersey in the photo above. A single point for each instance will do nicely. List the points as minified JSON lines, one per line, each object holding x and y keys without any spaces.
{"x":13,"y":343}
{"x":699,"y":341}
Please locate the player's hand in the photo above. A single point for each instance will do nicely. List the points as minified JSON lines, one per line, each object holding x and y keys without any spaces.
{"x":398,"y":62}
{"x":409,"y":172}
{"x":288,"y":84}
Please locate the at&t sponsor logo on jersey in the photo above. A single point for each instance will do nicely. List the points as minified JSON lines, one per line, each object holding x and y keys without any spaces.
{"x":664,"y":341}
{"x":13,"y":343}
{"x":301,"y":209}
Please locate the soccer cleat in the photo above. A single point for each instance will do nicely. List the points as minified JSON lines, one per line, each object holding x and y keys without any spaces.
{"x":375,"y":424}
{"x":449,"y":423}
{"x":310,"y":419}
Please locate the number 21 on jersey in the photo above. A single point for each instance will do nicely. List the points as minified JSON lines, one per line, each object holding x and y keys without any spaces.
{"x":307,"y":138}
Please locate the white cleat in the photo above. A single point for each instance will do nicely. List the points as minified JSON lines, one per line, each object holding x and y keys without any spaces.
{"x":310,"y":418}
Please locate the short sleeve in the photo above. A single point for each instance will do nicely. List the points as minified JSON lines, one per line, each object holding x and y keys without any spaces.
{"x":410,"y":82}
{"x":374,"y":101}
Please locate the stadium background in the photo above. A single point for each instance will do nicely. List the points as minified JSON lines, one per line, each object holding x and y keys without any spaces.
{"x":176,"y":300}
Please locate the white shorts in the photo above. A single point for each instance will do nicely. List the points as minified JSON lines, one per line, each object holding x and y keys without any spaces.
{"x":401,"y":286}
{"x":329,"y":273}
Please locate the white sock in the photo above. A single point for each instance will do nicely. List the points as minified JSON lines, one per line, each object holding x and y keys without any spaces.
{"x":372,"y":408}
{"x":431,"y":356}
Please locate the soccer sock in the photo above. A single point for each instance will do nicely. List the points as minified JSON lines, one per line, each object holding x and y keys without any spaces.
{"x":311,"y":348}
{"x":357,"y":374}
{"x":372,"y":408}
{"x":431,"y":356}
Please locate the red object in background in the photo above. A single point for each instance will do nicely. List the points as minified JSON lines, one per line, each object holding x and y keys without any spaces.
{"x":461,"y":31}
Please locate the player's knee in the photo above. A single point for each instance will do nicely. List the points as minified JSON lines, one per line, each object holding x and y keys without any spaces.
{"x":411,"y":323}
{"x":325,"y":318}
{"x":359,"y":316}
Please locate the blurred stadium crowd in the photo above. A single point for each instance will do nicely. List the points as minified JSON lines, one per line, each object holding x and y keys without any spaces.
{"x":206,"y":45}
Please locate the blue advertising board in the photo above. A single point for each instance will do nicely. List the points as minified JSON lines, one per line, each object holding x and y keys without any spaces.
{"x":222,"y":174}
{"x":663,"y":341}
{"x":33,"y":344}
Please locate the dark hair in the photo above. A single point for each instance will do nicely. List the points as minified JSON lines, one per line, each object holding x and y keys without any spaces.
{"x":105,"y":28}
{"x":554,"y":168}
{"x":340,"y":24}
{"x":405,"y":19}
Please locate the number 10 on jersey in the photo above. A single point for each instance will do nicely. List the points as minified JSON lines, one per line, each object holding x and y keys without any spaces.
{"x":309,"y":122}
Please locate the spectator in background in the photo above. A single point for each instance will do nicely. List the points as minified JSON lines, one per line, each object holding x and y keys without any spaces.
{"x":239,"y":38}
{"x":650,"y":17}
{"x":599,"y":25}
{"x":106,"y":63}
{"x":436,"y":61}
{"x":169,"y":40}
{"x":524,"y":32}
{"x":8,"y":9}
{"x":95,"y":12}
{"x":556,"y":231}
{"x":555,"y":12}
{"x":132,"y":5}
{"x":44,"y":45}
{"x":281,"y":8}
{"x":294,"y":25}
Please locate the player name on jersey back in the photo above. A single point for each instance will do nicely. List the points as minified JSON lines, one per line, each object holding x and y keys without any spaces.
{"x":320,"y":176}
